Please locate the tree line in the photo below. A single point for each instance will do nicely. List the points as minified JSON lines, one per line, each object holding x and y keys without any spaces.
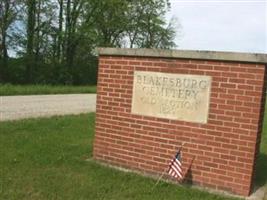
{"x":54,"y":41}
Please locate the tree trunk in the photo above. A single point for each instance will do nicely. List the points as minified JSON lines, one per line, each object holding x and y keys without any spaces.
{"x":37,"y":32}
{"x":30,"y":39}
{"x":67,"y":31}
{"x":72,"y":15}
{"x":60,"y":23}
{"x":4,"y":52}
{"x":4,"y":63}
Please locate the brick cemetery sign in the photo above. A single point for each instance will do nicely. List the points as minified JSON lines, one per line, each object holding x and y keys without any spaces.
{"x":150,"y":102}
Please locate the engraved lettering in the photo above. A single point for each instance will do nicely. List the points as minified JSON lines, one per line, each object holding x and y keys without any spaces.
{"x":173,"y":96}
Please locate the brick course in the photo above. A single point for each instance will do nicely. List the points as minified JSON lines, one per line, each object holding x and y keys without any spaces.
{"x":223,"y":150}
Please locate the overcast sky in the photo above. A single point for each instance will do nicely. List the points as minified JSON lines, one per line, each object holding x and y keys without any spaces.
{"x":221,"y":25}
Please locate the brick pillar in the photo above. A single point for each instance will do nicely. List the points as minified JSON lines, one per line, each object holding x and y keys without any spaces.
{"x":224,"y":147}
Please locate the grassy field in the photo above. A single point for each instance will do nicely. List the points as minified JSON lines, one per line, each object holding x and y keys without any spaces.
{"x":261,"y":168}
{"x":7,"y":89}
{"x":47,"y":159}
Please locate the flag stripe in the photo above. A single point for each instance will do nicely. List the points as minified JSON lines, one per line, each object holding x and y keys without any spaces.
{"x":177,"y":172}
{"x":175,"y":166}
{"x":178,"y":161}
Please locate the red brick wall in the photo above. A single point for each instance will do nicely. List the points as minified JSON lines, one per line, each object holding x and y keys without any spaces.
{"x":224,"y":149}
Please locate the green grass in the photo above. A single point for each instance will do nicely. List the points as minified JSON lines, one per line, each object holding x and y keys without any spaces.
{"x":7,"y":89}
{"x":261,"y":167}
{"x":47,"y":159}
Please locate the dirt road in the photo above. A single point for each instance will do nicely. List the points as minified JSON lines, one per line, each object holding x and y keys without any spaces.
{"x":19,"y":107}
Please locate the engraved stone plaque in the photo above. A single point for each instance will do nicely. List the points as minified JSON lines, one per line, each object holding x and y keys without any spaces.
{"x":172,"y":96}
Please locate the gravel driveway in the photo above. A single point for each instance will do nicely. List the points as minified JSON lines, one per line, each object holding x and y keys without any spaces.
{"x":19,"y":107}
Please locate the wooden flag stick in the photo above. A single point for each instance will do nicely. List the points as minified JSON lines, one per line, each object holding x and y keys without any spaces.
{"x":189,"y":166}
{"x":164,"y":172}
{"x":182,"y":146}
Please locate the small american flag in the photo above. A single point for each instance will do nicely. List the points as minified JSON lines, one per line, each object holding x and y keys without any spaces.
{"x":175,"y":167}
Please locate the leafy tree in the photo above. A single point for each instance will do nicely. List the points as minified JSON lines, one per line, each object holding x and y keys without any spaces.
{"x":40,"y":33}
{"x":8,"y":14}
{"x":56,"y":39}
{"x":31,"y":20}
{"x":110,"y":22}
{"x":59,"y":31}
{"x":152,"y":30}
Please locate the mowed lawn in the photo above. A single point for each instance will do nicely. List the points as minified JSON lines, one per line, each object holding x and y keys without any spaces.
{"x":8,"y":89}
{"x":47,"y":158}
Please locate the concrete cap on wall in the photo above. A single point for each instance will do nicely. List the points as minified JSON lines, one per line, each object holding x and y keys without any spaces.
{"x":186,"y":54}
